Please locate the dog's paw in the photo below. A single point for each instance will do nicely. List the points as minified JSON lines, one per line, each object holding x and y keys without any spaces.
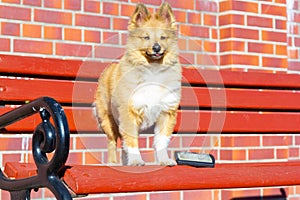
{"x":168,"y":162}
{"x":136,"y":162}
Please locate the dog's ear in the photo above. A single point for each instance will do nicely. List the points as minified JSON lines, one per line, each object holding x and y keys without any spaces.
{"x":165,"y":13}
{"x":140,"y":15}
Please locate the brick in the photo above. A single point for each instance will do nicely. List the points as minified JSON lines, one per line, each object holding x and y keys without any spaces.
{"x":210,"y":20}
{"x":32,"y":2}
{"x":91,"y":158}
{"x":15,"y":13}
{"x":56,"y":17}
{"x":127,"y":10}
{"x":111,"y":37}
{"x":208,"y":6}
{"x":187,"y":58}
{"x":182,"y":44}
{"x":9,"y":144}
{"x":92,"y":21}
{"x":197,"y":31}
{"x":281,"y":50}
{"x":182,"y":4}
{"x":274,"y":62}
{"x":206,"y":59}
{"x":92,"y":36}
{"x":11,"y":1}
{"x":91,"y":143}
{"x":294,"y":65}
{"x":4,"y":44}
{"x":151,"y":2}
{"x":273,"y":10}
{"x":261,"y":154}
{"x":72,"y":5}
{"x":64,"y":49}
{"x":75,"y":158}
{"x":180,"y":16}
{"x":231,"y":19}
{"x":237,"y":5}
{"x":275,"y":191}
{"x":260,"y":47}
{"x":165,"y":195}
{"x":274,"y":36}
{"x":109,"y":52}
{"x":29,"y":46}
{"x":239,"y":59}
{"x":31,"y":30}
{"x":53,"y":4}
{"x":194,"y":195}
{"x":239,"y":33}
{"x":131,"y":197}
{"x":120,"y":24}
{"x":233,"y":154}
{"x":232,"y":46}
{"x":282,"y":153}
{"x":52,"y":32}
{"x":194,"y":18}
{"x":8,"y":28}
{"x":240,"y":141}
{"x":210,"y":46}
{"x":195,"y":45}
{"x":293,"y":53}
{"x":11,"y":157}
{"x":260,"y":21}
{"x":92,"y":6}
{"x":111,"y":8}
{"x":148,"y":156}
{"x":72,"y":34}
{"x":243,"y":194}
{"x":293,"y":152}
{"x":280,"y":24}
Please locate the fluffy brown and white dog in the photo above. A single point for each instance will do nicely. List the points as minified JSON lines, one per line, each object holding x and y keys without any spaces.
{"x":143,"y":89}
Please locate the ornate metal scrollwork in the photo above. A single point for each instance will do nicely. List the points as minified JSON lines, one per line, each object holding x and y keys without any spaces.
{"x":47,"y":138}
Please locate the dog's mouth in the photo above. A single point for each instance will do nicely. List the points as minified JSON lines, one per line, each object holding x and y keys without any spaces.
{"x":155,"y":56}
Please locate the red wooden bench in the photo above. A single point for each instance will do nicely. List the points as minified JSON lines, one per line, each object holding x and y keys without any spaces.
{"x":212,"y":101}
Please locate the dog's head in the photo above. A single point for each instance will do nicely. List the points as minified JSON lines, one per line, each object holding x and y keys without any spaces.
{"x":153,"y":35}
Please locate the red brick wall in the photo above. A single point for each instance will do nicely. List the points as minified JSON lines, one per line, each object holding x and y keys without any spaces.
{"x":230,"y":34}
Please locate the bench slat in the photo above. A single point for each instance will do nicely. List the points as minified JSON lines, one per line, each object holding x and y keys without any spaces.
{"x":242,"y":79}
{"x":92,"y":69}
{"x":50,"y":67}
{"x":188,"y":121}
{"x":81,"y":178}
{"x":83,"y":92}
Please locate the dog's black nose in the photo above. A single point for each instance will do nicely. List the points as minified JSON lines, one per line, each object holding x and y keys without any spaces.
{"x":156,"y":48}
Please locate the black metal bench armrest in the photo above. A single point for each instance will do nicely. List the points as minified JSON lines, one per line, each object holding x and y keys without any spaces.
{"x":47,"y":138}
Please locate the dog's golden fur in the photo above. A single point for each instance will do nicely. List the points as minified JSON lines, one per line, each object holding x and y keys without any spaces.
{"x":144,"y":89}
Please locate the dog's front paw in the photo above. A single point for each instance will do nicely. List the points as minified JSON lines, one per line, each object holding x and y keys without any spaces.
{"x":137,"y":162}
{"x":168,"y":162}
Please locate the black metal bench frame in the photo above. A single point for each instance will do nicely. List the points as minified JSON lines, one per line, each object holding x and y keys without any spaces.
{"x":47,"y":138}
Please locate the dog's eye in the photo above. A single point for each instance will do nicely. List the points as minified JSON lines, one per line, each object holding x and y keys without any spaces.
{"x":163,"y":37}
{"x":146,"y":38}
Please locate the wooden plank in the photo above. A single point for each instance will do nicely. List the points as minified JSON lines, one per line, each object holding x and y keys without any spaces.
{"x":50,"y":67}
{"x":81,"y":119}
{"x":21,"y":89}
{"x":241,"y":79}
{"x":93,"y":69}
{"x":81,"y":179}
{"x":13,"y":89}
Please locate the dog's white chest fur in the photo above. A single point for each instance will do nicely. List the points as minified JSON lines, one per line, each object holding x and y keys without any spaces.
{"x":157,"y":91}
